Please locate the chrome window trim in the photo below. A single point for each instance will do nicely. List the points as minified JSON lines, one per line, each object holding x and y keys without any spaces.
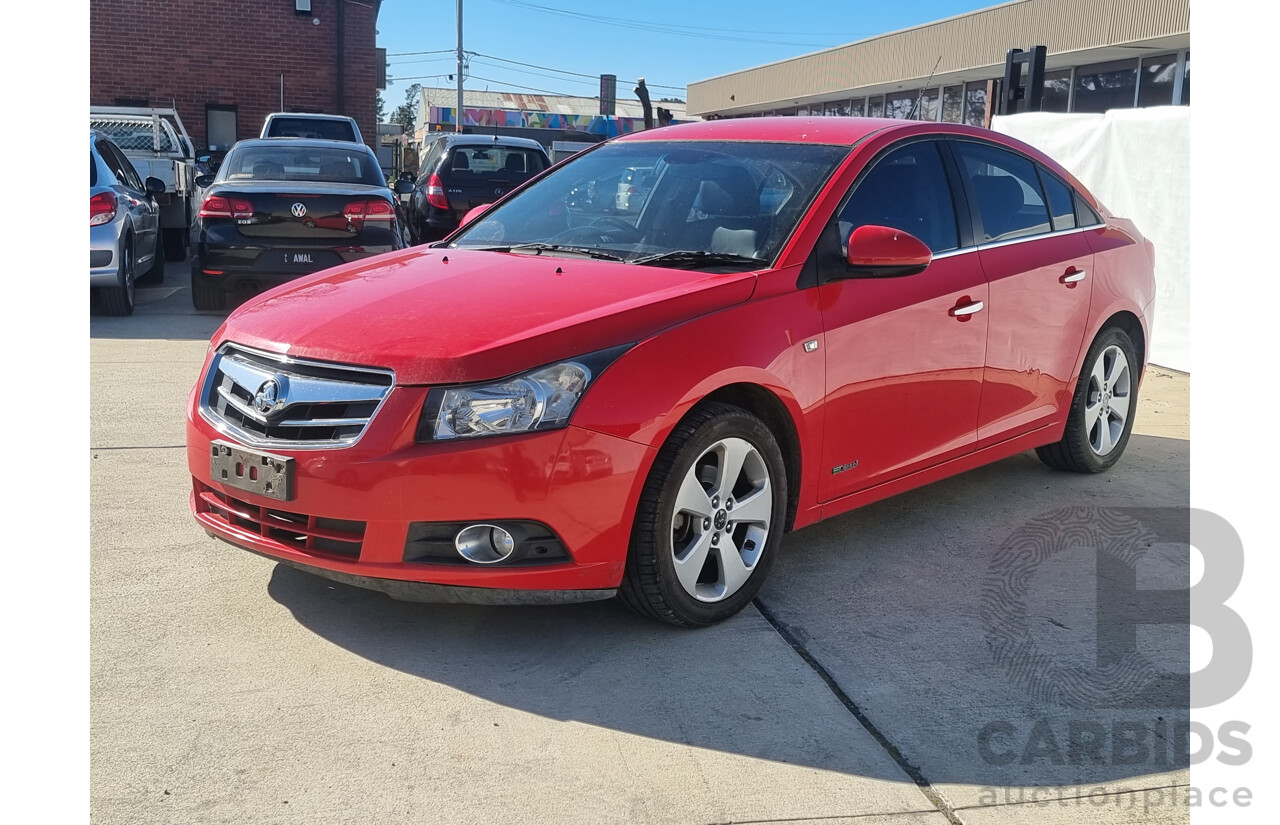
{"x":1041,"y":236}
{"x":253,"y":440}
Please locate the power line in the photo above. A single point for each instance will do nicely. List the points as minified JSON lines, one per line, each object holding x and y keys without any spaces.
{"x":414,"y":54}
{"x":565,"y":71}
{"x":704,"y":33}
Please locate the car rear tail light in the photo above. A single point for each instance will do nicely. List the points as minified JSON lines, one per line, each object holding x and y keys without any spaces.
{"x":435,"y":193}
{"x":216,"y":206}
{"x":379,"y":210}
{"x":102,"y":208}
{"x":374,"y":209}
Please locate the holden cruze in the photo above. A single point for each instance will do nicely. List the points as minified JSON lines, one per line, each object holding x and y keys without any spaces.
{"x":797,"y":317}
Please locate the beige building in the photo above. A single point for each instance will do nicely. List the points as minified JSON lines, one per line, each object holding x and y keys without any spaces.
{"x":1102,"y":54}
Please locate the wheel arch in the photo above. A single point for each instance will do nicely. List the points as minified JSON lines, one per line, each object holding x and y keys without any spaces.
{"x":769,"y":408}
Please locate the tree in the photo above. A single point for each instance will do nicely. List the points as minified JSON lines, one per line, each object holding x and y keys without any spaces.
{"x":382,"y":108}
{"x":670,"y":100}
{"x":407,"y":113}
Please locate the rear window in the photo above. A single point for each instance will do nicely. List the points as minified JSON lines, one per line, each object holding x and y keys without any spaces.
{"x":314,"y":128}
{"x":494,"y":161}
{"x":93,"y":170}
{"x":291,"y":162}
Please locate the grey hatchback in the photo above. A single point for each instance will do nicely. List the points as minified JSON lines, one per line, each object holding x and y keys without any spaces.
{"x":124,"y":222}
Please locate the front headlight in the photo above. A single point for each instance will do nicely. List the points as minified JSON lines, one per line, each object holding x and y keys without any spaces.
{"x":542,"y":399}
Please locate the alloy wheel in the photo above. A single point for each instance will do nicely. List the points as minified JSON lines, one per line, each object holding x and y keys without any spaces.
{"x":723,"y":513}
{"x":1107,"y":400}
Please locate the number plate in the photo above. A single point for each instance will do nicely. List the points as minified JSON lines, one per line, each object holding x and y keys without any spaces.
{"x":262,"y":473}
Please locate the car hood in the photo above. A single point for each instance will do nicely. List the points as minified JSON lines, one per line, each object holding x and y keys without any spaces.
{"x":443,"y":316}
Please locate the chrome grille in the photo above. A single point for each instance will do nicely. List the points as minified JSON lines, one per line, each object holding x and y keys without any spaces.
{"x":265,"y":399}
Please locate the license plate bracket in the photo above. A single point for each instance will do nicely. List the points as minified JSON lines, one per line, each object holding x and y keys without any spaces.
{"x":264,"y":474}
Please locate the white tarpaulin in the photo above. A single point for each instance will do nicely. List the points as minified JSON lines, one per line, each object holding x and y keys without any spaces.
{"x":1137,"y":162}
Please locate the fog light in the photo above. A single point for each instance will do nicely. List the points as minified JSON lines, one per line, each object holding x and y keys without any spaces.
{"x":484,"y":543}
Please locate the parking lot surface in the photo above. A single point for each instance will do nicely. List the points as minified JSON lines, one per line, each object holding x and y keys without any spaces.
{"x":941,"y":656}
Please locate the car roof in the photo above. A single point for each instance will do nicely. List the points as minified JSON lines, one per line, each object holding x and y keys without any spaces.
{"x":839,"y":131}
{"x":491,"y":140}
{"x":310,"y":115}
{"x":305,"y":143}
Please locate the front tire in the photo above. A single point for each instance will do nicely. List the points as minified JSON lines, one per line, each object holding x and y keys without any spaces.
{"x":175,"y":244}
{"x":1102,"y":408}
{"x":709,"y":521}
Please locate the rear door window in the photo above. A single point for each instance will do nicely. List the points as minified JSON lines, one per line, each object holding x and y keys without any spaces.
{"x":1006,"y":190}
{"x":1061,"y":206}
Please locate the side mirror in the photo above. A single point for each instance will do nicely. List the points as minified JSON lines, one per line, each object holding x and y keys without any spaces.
{"x":404,"y":187}
{"x":204,"y":181}
{"x":155,"y":186}
{"x":473,"y":214}
{"x":884,"y":252}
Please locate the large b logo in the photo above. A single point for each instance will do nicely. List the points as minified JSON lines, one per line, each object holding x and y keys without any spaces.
{"x":1123,"y":675}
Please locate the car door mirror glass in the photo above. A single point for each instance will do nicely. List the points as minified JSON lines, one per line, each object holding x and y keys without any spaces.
{"x":204,"y":181}
{"x":404,"y":187}
{"x":154,"y":186}
{"x":885,"y":252}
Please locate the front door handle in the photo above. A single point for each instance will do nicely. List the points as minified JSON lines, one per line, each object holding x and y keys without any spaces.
{"x":966,"y":309}
{"x":1073,"y":276}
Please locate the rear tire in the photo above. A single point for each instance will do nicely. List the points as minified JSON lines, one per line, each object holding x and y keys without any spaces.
{"x":207,"y":294}
{"x":709,"y":521}
{"x":1103,"y":407}
{"x":175,"y":244}
{"x":118,"y":300}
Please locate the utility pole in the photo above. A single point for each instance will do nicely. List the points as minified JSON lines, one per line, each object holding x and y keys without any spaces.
{"x":457,"y":120}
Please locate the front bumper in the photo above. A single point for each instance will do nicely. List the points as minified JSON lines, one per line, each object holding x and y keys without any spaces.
{"x":353,"y":507}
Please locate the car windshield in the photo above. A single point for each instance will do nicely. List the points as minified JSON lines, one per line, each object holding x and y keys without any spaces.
{"x":671,"y":203}
{"x":293,"y":162}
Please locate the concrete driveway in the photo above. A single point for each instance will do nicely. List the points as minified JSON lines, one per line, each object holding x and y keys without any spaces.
{"x":965,"y":653}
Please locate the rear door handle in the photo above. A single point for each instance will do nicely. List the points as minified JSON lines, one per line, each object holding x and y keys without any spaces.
{"x":967,"y":309}
{"x":1074,"y":276}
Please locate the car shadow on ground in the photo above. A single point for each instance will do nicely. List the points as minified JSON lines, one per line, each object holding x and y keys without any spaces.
{"x":985,"y":626}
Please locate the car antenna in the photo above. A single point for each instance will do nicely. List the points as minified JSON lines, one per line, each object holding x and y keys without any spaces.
{"x":920,"y":96}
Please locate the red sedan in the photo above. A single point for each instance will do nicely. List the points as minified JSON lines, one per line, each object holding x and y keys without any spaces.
{"x":566,"y":402}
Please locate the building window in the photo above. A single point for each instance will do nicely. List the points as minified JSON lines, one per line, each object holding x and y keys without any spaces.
{"x":838,"y":108}
{"x":858,"y":106}
{"x":953,"y":104}
{"x":1186,"y":82}
{"x":975,"y":103}
{"x":875,"y":106}
{"x":220,"y":127}
{"x":928,"y":109}
{"x":1057,"y":91}
{"x":1103,"y":86}
{"x":1155,"y":80}
{"x":898,"y":105}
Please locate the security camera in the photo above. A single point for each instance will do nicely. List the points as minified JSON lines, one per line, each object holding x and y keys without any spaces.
{"x":315,"y":21}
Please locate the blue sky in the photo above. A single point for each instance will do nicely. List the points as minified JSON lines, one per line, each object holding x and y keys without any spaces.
{"x":668,"y":42}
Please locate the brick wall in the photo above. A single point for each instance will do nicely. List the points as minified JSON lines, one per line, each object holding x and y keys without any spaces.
{"x":233,"y":52}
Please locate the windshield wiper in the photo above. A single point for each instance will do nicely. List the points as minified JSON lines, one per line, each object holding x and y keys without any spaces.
{"x":539,"y":248}
{"x":697,"y":257}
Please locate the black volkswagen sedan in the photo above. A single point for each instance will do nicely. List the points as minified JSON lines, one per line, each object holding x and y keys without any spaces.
{"x":281,"y":208}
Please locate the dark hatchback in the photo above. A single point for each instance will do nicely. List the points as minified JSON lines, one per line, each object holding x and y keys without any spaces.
{"x":280,"y":209}
{"x":459,"y":172}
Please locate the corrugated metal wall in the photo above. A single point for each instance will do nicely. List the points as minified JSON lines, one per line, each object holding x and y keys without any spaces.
{"x":972,"y":41}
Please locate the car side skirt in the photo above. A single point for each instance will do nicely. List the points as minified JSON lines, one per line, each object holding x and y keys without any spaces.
{"x":1036,"y":438}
